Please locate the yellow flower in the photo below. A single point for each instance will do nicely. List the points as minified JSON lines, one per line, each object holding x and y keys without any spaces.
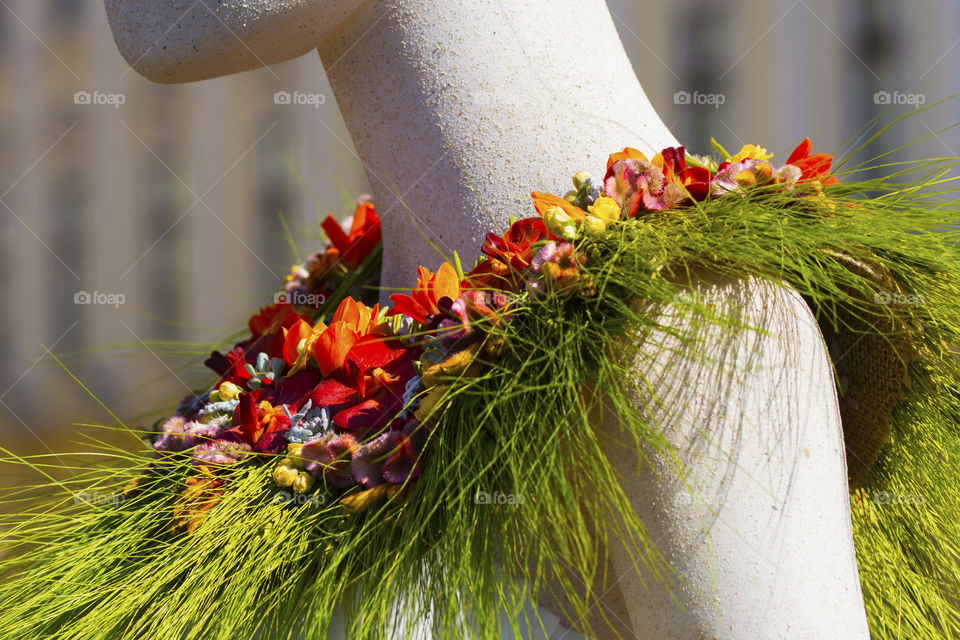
{"x":228,"y":391}
{"x":605,"y":208}
{"x":430,"y":402}
{"x":303,"y":483}
{"x":580,"y":178}
{"x":751,"y":151}
{"x":285,"y":476}
{"x":294,"y":457}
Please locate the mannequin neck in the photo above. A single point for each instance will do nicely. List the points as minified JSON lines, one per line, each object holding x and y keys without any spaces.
{"x":459,"y":109}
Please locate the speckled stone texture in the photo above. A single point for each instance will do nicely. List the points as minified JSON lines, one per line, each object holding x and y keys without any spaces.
{"x":458,"y":108}
{"x":186,"y":40}
{"x":761,"y":532}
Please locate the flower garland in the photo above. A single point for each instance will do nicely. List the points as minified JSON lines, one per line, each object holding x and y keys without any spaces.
{"x":349,"y":397}
{"x":380,"y":427}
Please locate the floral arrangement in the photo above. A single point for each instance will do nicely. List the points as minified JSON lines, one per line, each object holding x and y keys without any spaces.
{"x":386,"y":423}
{"x":350,"y":401}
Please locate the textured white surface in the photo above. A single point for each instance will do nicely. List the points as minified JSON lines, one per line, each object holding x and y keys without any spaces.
{"x":185,"y":40}
{"x":762,"y":534}
{"x":460,"y":108}
{"x":457,"y":110}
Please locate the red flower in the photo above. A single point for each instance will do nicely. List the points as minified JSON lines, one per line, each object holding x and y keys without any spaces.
{"x":271,"y":318}
{"x":673,"y":162}
{"x":367,"y":392}
{"x":514,"y":248}
{"x":363,"y":238}
{"x":812,"y":167}
{"x":491,"y":274}
{"x":259,"y":424}
{"x":509,"y":255}
{"x":430,"y":290}
{"x":259,"y":419}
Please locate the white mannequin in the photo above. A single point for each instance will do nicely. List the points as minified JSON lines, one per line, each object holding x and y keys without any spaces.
{"x":458,"y":109}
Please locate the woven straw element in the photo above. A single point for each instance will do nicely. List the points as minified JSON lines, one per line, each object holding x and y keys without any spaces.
{"x":870,"y":348}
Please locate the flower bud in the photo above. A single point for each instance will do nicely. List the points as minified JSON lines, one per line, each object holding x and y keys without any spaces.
{"x":559,"y":223}
{"x":303,"y":483}
{"x":228,"y":391}
{"x":554,"y":218}
{"x":593,"y":226}
{"x":580,"y":179}
{"x":294,"y":456}
{"x":285,"y":475}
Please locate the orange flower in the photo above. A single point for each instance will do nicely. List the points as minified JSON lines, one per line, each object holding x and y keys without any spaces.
{"x":812,"y":167}
{"x":628,"y":153}
{"x":270,"y":418}
{"x":543,"y":201}
{"x":363,"y":238}
{"x":358,"y":316}
{"x":430,"y":290}
{"x":292,"y":338}
{"x":333,"y":345}
{"x":351,"y":321}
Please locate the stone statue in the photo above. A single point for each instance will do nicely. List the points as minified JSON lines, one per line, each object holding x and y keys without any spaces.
{"x":458,"y":109}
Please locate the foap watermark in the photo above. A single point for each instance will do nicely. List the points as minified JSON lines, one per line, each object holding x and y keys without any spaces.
{"x":299,"y":98}
{"x":895,"y":297}
{"x":100,"y":99}
{"x":887,"y":497}
{"x":98,"y":499}
{"x":99,"y":298}
{"x":300,"y":298}
{"x":701,"y":298}
{"x":697,"y":98}
{"x":916,"y":100}
{"x":292,"y":497}
{"x":483,"y":497}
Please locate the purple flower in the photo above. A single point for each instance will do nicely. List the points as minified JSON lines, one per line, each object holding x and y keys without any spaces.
{"x":367,"y":463}
{"x":329,"y":456}
{"x":220,"y":452}
{"x":476,"y":304}
{"x":734,"y":177}
{"x":637,"y":185}
{"x":179,"y":435}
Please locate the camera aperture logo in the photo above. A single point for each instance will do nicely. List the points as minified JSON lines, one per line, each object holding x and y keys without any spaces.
{"x":300,"y":99}
{"x":483,"y":497}
{"x":99,"y":99}
{"x":99,"y":298}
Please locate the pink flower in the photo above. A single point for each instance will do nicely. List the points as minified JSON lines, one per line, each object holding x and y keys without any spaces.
{"x":329,"y":456}
{"x":637,"y":185}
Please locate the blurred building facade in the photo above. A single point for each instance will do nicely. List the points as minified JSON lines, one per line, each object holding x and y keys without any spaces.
{"x":132,"y":213}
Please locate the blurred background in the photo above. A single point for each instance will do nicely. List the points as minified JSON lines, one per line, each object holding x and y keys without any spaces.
{"x":141,"y":222}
